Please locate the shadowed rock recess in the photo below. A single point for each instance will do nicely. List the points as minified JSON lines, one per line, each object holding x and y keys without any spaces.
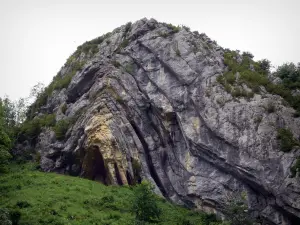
{"x":146,"y":104}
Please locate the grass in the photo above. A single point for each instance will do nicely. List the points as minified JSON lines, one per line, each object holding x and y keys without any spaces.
{"x":49,"y":198}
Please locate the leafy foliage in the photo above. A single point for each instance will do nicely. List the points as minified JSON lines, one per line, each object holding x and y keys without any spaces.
{"x":144,"y":205}
{"x":264,"y":65}
{"x":270,"y":107}
{"x":287,"y":140}
{"x":124,"y":43}
{"x":61,"y":128}
{"x":64,"y":108}
{"x":30,"y":129}
{"x":129,"y":68}
{"x":5,"y":142}
{"x":175,"y":29}
{"x":290,"y":75}
{"x":255,"y":75}
{"x":236,"y":210}
{"x":128,"y":27}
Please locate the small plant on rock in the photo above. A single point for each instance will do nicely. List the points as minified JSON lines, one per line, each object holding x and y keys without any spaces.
{"x":61,"y":128}
{"x":287,"y":140}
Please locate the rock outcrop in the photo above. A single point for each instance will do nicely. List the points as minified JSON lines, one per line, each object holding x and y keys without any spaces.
{"x":147,"y":105}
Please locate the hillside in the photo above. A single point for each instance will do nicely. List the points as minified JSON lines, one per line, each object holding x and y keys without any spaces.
{"x":47,"y":198}
{"x":159,"y":102}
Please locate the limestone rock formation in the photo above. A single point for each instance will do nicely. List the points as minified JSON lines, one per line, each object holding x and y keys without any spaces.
{"x":146,"y":105}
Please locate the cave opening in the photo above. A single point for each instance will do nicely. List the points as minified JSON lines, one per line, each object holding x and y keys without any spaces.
{"x":98,"y":170}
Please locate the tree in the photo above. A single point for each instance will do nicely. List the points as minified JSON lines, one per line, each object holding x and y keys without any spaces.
{"x":264,"y":65}
{"x":236,"y":209}
{"x":36,"y":90}
{"x":5,"y":142}
{"x":144,"y":205}
{"x":21,"y":106}
{"x":289,"y":73}
{"x":248,"y":54}
{"x":9,"y":114}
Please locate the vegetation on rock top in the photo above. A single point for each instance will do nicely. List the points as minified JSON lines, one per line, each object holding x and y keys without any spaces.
{"x":243,"y":70}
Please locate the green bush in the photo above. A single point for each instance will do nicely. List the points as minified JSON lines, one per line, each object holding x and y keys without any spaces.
{"x":264,"y":66}
{"x":255,"y":74}
{"x":88,"y":47}
{"x":236,"y":210}
{"x":61,"y":128}
{"x":124,"y":43}
{"x":4,"y":158}
{"x":32,"y":128}
{"x":270,"y":107}
{"x":230,"y":77}
{"x":145,"y":206}
{"x":163,"y":34}
{"x":287,"y":140}
{"x":238,"y":92}
{"x":186,"y":28}
{"x":64,"y":108}
{"x":290,"y":74}
{"x":128,"y":27}
{"x":129,"y":68}
{"x":22,"y":204}
{"x":248,"y":54}
{"x":174,"y":29}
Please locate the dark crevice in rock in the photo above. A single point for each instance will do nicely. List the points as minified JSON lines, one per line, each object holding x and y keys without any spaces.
{"x":151,"y":116}
{"x":207,"y":155}
{"x":118,"y":176}
{"x":165,"y":65}
{"x":86,"y":81}
{"x":242,"y":176}
{"x":148,"y":158}
{"x":152,"y":82}
{"x":129,"y":178}
{"x":293,"y":218}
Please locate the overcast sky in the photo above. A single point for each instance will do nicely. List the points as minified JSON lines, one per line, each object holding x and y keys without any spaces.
{"x":37,"y":36}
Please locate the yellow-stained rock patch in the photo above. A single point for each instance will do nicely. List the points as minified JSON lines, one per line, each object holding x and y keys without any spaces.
{"x":100,"y":134}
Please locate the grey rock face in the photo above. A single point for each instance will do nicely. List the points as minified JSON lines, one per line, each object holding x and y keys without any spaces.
{"x":160,"y":107}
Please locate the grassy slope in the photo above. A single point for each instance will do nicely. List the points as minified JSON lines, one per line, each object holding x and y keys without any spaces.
{"x":58,"y":199}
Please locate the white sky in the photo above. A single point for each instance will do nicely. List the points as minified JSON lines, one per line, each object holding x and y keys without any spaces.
{"x":37,"y":36}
